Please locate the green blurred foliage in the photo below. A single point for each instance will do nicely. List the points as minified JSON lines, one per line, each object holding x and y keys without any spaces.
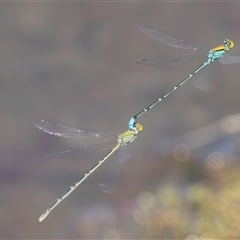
{"x":204,"y":210}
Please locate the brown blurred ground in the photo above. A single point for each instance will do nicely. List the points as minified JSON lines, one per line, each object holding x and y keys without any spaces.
{"x":75,"y":63}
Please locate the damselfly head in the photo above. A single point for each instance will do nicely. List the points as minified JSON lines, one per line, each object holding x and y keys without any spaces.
{"x":139,"y":127}
{"x":228,"y":43}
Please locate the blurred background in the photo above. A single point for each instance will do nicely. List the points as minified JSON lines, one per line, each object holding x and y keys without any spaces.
{"x":75,"y":63}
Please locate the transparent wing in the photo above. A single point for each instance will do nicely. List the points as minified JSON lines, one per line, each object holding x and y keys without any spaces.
{"x":67,"y":131}
{"x":201,"y":79}
{"x":110,"y":177}
{"x":229,"y":59}
{"x":80,"y":151}
{"x":166,"y":38}
{"x":123,"y":154}
{"x":167,"y":61}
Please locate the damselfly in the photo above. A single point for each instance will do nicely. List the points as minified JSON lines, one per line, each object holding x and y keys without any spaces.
{"x":217,"y":53}
{"x":67,"y":131}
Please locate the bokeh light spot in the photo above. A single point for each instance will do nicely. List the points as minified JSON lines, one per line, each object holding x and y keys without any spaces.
{"x":141,"y":217}
{"x":182,"y":152}
{"x":111,"y":234}
{"x":191,"y":237}
{"x":216,"y":160}
{"x":145,"y":200}
{"x":155,"y":226}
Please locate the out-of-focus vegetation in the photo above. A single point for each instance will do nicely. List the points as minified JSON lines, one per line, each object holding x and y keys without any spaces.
{"x":200,"y":209}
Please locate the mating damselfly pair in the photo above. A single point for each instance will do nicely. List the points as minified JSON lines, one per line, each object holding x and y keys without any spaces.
{"x":62,"y":130}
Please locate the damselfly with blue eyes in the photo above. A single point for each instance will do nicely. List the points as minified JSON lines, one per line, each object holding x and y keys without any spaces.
{"x":67,"y":131}
{"x":217,"y":53}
